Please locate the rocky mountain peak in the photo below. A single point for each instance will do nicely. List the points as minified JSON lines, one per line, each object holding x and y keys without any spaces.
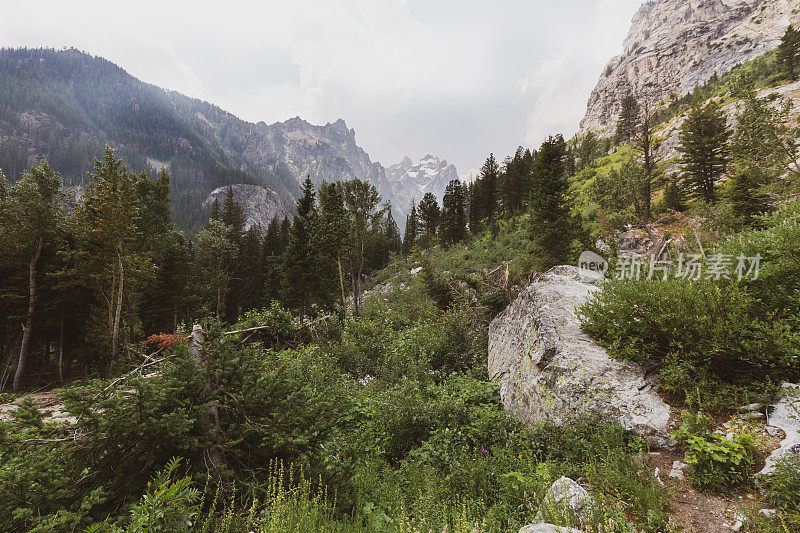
{"x":675,"y":45}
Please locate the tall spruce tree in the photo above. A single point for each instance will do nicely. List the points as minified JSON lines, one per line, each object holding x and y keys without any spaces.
{"x":453,"y":219}
{"x":31,"y":215}
{"x":429,"y":213}
{"x":789,"y":53}
{"x":628,"y":121}
{"x":412,"y":230}
{"x":301,"y":267}
{"x":552,"y":225}
{"x":704,"y":147}
{"x":105,"y":227}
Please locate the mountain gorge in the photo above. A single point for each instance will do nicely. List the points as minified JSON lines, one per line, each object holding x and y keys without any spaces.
{"x":674,"y":46}
{"x":67,"y":105}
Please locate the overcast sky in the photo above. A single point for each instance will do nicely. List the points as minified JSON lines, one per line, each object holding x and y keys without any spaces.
{"x":455,"y":78}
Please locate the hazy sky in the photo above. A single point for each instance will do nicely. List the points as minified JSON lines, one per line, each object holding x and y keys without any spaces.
{"x":455,"y":78}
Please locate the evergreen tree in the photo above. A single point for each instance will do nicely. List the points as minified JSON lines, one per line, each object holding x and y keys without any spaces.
{"x":552,"y":225}
{"x":746,"y":198}
{"x":765,"y":138}
{"x":31,"y":214}
{"x":514,"y":182}
{"x":105,"y":226}
{"x":412,"y":230}
{"x":488,"y":188}
{"x":453,"y":224}
{"x":674,"y":196}
{"x":789,"y":53}
{"x":216,"y":258}
{"x":628,"y":121}
{"x":332,"y":234}
{"x":428,"y":211}
{"x":271,"y":259}
{"x":704,"y":145}
{"x":300,"y":267}
{"x":393,"y":238}
{"x":361,"y":200}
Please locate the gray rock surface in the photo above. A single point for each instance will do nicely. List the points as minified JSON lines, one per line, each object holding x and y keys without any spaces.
{"x":676,"y":45}
{"x":786,"y":416}
{"x":259,"y":204}
{"x":566,"y":498}
{"x":547,"y":528}
{"x":549,"y":369}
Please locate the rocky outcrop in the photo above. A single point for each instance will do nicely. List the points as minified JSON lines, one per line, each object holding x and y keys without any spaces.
{"x":410,"y":181}
{"x":549,"y":369}
{"x":785,"y":416}
{"x":676,"y":45}
{"x":259,"y":204}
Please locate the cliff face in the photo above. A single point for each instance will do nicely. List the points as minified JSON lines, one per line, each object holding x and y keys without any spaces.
{"x":676,"y":45}
{"x":259,"y":204}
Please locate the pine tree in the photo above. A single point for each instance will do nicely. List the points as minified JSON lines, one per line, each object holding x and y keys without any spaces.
{"x":453,"y":220}
{"x":105,"y":227}
{"x":628,"y":120}
{"x":361,"y":200}
{"x":552,"y":225}
{"x":704,"y":145}
{"x":746,"y":198}
{"x":271,"y":258}
{"x":216,"y":258}
{"x":332,"y":233}
{"x":392,"y":236}
{"x":674,"y":196}
{"x":514,"y":182}
{"x":488,"y":188}
{"x":789,"y":53}
{"x":31,"y":213}
{"x":412,"y":230}
{"x":428,"y":210}
{"x":300,"y":264}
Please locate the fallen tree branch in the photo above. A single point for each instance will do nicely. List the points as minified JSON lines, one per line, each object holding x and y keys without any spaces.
{"x":137,"y":369}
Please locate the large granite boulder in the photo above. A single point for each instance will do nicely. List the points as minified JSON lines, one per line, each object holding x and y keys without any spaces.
{"x":549,"y":369}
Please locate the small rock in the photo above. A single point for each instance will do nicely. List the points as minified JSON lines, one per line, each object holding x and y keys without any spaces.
{"x":547,"y":528}
{"x":751,"y":407}
{"x":753,"y":416}
{"x":772,"y":431}
{"x":678,"y":465}
{"x":769,"y":513}
{"x":675,"y":473}
{"x":415,"y":271}
{"x":737,"y":526}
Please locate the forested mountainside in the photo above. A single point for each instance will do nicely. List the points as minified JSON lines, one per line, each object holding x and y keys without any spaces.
{"x":67,"y":106}
{"x":674,"y":46}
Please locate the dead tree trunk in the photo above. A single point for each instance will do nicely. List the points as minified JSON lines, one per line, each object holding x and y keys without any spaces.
{"x":197,"y":350}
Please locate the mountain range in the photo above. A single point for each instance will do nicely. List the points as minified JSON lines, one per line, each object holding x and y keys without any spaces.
{"x":67,"y":106}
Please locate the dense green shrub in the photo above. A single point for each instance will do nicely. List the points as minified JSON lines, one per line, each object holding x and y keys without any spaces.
{"x":782,"y":487}
{"x":717,"y":332}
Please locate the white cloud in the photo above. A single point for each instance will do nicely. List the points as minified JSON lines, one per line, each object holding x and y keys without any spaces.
{"x":455,"y":78}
